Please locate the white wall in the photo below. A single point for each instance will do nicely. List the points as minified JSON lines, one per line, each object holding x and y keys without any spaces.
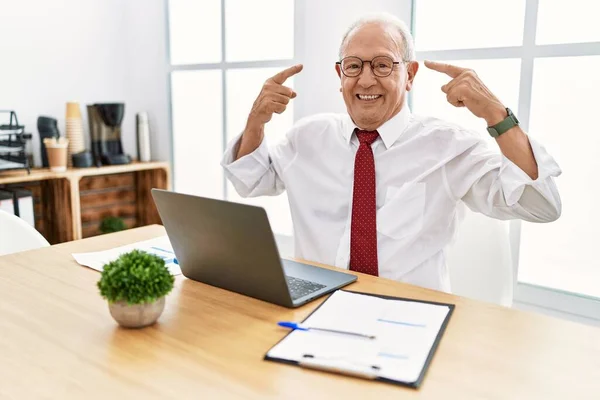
{"x":317,"y":44}
{"x":89,"y":51}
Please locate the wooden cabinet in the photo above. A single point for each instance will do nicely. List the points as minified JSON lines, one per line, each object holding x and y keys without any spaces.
{"x":71,"y":205}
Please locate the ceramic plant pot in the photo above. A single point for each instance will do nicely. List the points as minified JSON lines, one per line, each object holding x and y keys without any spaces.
{"x":136,"y":315}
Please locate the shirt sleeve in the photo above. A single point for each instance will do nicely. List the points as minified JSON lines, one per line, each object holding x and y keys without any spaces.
{"x":260,"y":172}
{"x":493,"y":185}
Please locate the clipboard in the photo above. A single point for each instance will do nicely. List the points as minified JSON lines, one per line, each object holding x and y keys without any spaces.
{"x":366,"y":370}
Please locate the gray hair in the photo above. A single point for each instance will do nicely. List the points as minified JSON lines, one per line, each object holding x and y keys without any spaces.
{"x":386,"y":20}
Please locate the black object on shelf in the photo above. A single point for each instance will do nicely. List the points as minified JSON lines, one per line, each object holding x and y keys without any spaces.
{"x":13,"y":141}
{"x":47,"y":128}
{"x":83,"y":159}
{"x":105,"y":129}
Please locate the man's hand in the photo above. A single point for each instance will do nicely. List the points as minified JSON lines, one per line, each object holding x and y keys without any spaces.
{"x":467,"y":90}
{"x":273,"y":98}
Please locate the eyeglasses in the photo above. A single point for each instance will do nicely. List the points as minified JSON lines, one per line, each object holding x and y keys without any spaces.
{"x":381,"y":66}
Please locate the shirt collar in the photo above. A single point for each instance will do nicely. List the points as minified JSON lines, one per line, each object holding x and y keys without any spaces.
{"x":389,"y":132}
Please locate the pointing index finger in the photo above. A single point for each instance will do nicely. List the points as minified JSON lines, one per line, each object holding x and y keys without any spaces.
{"x":286,"y":73}
{"x":451,"y":70}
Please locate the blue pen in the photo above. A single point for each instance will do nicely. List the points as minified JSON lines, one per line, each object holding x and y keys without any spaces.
{"x":301,"y":327}
{"x":171,"y":260}
{"x":166,"y":251}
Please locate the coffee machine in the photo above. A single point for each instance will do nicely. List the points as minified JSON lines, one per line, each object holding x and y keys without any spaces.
{"x":105,"y":131}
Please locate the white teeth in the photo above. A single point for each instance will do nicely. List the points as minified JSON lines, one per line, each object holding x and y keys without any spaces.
{"x":369,"y":96}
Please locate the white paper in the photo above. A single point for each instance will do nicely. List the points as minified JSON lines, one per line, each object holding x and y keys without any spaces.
{"x":405,"y":333}
{"x":161,"y":246}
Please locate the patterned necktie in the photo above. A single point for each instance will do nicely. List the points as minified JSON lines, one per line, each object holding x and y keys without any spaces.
{"x":363,"y":233}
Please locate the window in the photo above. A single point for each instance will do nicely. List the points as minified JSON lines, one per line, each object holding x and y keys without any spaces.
{"x":563,"y":255}
{"x":541,"y":58}
{"x":221,"y":52}
{"x":455,"y":20}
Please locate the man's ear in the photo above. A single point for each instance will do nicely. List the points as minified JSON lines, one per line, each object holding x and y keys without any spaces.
{"x":412,"y":68}
{"x":338,"y":70}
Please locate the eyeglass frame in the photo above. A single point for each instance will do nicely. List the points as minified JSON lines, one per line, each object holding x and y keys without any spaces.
{"x":362,"y":65}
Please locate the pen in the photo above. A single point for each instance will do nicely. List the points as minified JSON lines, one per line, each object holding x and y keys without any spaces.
{"x":166,"y":251}
{"x":301,"y":327}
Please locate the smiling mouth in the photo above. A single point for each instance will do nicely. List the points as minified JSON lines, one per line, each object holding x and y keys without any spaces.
{"x":368,"y":97}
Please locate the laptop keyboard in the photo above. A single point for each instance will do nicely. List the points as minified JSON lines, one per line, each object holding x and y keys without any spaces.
{"x":300,"y":287}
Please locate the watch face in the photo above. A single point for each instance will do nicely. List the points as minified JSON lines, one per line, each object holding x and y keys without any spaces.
{"x":512,"y":115}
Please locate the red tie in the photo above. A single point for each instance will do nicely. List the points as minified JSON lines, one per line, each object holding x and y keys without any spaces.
{"x":363,"y":233}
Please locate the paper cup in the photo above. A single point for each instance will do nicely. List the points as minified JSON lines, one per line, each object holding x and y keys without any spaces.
{"x":57,"y":155}
{"x":73,"y":110}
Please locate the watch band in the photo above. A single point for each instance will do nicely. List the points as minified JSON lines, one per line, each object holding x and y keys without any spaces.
{"x":504,"y":125}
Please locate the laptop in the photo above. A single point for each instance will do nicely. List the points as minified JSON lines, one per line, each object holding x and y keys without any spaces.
{"x":231,"y":246}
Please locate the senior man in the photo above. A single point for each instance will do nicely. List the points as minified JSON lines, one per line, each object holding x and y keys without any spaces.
{"x":376,"y":190}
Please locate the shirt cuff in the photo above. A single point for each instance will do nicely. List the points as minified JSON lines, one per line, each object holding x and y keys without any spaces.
{"x":514,"y":179}
{"x":245,"y":169}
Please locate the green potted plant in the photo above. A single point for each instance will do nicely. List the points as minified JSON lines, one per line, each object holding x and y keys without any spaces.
{"x":112,"y":224}
{"x":135,"y":286}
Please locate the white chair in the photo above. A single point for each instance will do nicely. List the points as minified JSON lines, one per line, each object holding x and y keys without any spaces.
{"x":17,"y":235}
{"x":480,"y":262}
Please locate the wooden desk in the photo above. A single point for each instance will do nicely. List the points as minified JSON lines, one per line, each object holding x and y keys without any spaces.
{"x":57,"y":340}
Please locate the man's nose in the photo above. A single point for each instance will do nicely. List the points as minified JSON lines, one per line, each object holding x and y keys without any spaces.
{"x":366,"y":77}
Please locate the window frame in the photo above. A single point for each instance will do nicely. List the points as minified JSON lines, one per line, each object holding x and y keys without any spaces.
{"x":527,"y":294}
{"x":222,"y":66}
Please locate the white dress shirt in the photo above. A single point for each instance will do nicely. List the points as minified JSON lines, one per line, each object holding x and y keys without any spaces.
{"x":424,"y":169}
